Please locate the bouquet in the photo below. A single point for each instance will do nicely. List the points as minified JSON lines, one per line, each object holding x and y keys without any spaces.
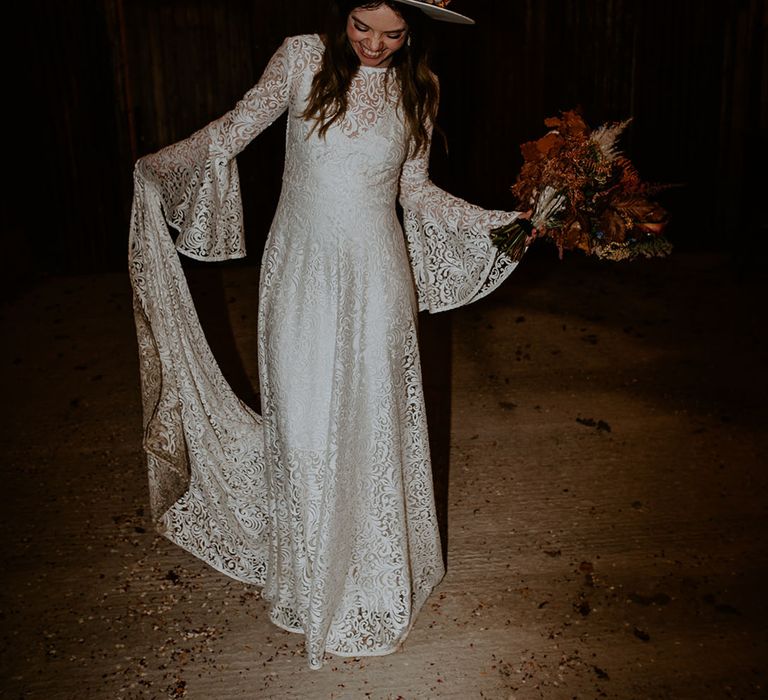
{"x":584,"y":195}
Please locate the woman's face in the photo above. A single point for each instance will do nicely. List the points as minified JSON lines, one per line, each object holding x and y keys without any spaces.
{"x":376,"y":34}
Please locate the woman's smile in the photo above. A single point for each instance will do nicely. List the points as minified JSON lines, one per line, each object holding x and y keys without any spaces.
{"x":375,"y":35}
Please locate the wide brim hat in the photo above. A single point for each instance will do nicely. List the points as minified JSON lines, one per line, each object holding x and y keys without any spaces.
{"x":436,"y":10}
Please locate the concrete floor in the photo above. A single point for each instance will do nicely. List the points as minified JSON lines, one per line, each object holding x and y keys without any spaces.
{"x":600,"y":456}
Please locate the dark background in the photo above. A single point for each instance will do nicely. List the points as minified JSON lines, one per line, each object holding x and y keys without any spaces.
{"x":104,"y":82}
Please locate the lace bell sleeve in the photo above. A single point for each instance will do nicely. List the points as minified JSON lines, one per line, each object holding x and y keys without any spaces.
{"x":197,"y":178}
{"x":452,"y":257}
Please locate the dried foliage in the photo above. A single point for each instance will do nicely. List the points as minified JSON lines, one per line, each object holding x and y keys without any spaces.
{"x":585,"y":195}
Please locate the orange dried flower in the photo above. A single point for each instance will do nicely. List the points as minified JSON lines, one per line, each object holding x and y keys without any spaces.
{"x":586,"y":195}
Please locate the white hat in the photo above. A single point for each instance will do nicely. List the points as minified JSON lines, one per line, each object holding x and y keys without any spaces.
{"x":436,"y":9}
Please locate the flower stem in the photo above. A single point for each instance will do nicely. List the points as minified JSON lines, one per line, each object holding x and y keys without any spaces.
{"x":510,"y":238}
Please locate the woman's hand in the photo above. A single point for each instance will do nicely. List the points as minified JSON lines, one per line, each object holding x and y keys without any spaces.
{"x":534,"y":232}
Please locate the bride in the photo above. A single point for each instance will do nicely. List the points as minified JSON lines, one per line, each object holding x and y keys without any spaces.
{"x":324,"y":499}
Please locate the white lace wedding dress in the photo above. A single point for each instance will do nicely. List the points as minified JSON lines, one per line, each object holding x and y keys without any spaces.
{"x":325,"y":500}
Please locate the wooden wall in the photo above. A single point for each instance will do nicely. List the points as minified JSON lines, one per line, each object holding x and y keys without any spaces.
{"x":107,"y":80}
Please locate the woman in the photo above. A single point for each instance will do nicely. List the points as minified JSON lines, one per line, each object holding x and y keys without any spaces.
{"x":325,"y":499}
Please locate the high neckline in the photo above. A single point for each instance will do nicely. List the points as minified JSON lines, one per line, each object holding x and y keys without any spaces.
{"x":380,"y":69}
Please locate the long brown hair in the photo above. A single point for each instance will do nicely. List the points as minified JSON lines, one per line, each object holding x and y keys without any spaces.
{"x":327,"y":101}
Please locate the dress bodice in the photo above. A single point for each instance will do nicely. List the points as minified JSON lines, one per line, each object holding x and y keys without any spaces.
{"x":359,"y":158}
